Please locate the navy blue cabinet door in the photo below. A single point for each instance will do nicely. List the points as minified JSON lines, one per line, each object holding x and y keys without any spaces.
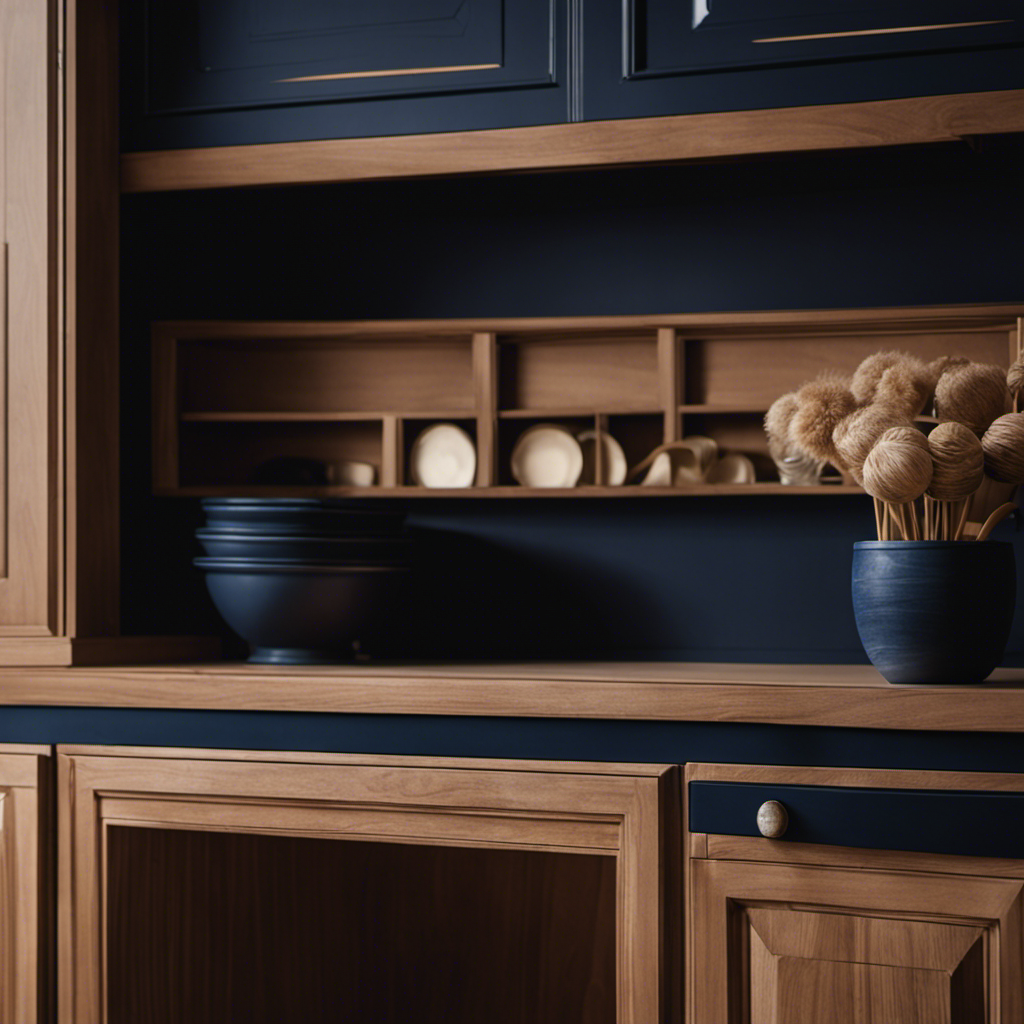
{"x":650,"y":57}
{"x":225,"y":72}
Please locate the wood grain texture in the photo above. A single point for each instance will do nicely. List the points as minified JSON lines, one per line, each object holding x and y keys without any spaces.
{"x":30,"y":593}
{"x":853,"y":695}
{"x":25,"y":886}
{"x":485,"y":390}
{"x":354,"y":931}
{"x":600,"y":143}
{"x":858,"y":954}
{"x":178,"y":809}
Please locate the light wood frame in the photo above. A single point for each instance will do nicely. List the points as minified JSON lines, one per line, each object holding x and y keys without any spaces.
{"x":597,"y":143}
{"x":720,"y":871}
{"x":26,"y":900}
{"x":628,"y":812}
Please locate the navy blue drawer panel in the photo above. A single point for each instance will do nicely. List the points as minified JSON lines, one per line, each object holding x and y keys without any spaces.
{"x":980,"y":824}
{"x":214,"y":72}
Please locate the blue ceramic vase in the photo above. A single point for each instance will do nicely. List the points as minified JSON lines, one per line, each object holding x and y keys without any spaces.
{"x":933,"y":611}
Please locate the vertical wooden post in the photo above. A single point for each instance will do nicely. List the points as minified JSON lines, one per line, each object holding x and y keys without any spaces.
{"x":485,"y":392}
{"x":392,"y":470}
{"x":670,"y":381}
{"x":600,"y":429}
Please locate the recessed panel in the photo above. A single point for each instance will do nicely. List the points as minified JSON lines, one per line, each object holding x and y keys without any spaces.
{"x":702,"y":34}
{"x":227,"y":927}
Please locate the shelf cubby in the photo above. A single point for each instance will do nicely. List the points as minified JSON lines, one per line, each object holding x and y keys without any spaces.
{"x":230,"y":396}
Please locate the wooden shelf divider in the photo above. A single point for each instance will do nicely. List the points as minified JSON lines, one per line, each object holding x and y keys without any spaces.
{"x":670,"y":381}
{"x":485,"y":390}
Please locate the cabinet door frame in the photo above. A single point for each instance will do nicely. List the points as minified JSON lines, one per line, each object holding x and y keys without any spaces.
{"x":31,"y":414}
{"x":25,"y":884}
{"x":725,"y":871}
{"x":629,"y":812}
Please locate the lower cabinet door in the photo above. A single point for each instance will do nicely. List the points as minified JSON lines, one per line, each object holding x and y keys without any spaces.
{"x":785,"y":931}
{"x":25,"y":904}
{"x":218,"y":886}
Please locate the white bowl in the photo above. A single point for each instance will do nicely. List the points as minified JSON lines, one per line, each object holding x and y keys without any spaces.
{"x":547,"y":456}
{"x":443,"y":456}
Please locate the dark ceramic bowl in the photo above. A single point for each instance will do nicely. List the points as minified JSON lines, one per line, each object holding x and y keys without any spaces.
{"x":308,"y":516}
{"x":304,"y":614}
{"x":319,"y":549}
{"x":934,"y":611}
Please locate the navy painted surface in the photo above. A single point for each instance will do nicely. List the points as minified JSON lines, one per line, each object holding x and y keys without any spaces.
{"x":669,"y":37}
{"x":224,"y":72}
{"x":540,"y":738}
{"x":218,"y":73}
{"x":652,"y":61}
{"x":934,"y":611}
{"x":726,"y":579}
{"x":979,"y":824}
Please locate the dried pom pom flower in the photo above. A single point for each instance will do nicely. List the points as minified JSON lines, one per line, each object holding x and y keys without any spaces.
{"x":899,"y":468}
{"x":958,"y":462}
{"x":856,"y":435}
{"x":867,"y":376}
{"x":821,"y":405}
{"x":973,"y":394}
{"x":1003,"y":445}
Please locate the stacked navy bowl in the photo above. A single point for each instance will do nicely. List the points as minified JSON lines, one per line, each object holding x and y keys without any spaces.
{"x":303,"y":580}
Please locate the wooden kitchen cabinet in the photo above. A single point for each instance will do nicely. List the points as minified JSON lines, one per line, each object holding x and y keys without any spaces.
{"x":789,"y":930}
{"x":25,"y":889}
{"x":227,"y":885}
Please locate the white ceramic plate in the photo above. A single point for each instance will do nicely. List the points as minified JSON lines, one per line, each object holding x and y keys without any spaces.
{"x":443,"y":456}
{"x":547,"y":456}
{"x":614,"y":458}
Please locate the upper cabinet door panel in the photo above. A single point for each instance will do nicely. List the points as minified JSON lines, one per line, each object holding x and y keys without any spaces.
{"x":247,"y":71}
{"x":668,"y":36}
{"x":654,"y":57}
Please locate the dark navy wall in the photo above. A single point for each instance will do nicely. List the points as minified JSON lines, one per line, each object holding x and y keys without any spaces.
{"x":726,"y":578}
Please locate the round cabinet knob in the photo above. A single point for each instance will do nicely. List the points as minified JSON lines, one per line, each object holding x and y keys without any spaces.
{"x":772,"y":819}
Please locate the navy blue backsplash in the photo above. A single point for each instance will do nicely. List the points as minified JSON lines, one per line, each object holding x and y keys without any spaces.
{"x":758,"y":579}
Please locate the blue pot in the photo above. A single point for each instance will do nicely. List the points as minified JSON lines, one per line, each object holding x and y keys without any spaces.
{"x":934,"y":611}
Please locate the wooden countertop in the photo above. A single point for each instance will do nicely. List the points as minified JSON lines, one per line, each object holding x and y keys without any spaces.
{"x":830,"y":695}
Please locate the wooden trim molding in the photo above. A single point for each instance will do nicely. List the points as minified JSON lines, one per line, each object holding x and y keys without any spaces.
{"x":399,"y":801}
{"x":593,"y":144}
{"x":853,"y":696}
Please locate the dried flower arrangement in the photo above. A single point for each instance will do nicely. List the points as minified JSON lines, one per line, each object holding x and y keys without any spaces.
{"x":965,"y":471}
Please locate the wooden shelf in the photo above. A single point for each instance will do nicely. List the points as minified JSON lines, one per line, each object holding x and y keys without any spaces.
{"x":684,"y":137}
{"x":231,"y":398}
{"x":575,"y":412}
{"x":515,"y":491}
{"x":315,"y":417}
{"x":849,"y":696}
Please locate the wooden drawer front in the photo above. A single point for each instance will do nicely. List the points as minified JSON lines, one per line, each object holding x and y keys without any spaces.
{"x":974,"y":824}
{"x":676,"y":37}
{"x":244,"y":71}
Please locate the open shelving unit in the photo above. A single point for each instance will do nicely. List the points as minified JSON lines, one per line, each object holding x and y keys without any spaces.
{"x":231,"y":395}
